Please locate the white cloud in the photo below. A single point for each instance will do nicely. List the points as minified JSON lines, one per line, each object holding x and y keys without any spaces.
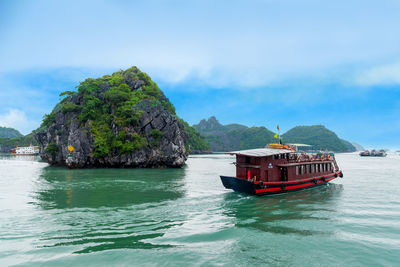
{"x":17,"y":119}
{"x":381,"y":75}
{"x":249,"y":44}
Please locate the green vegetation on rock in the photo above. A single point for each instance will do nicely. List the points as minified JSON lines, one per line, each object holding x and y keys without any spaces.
{"x":233,"y":136}
{"x":52,"y":149}
{"x":112,"y":111}
{"x":111,"y":101}
{"x":195,"y":142}
{"x":319,"y":137}
{"x":9,"y":133}
{"x":156,"y":135}
{"x":48,"y":119}
{"x":237,"y":137}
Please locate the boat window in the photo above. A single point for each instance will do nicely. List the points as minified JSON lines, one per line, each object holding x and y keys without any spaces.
{"x":329,"y":167}
{"x":312,"y":168}
{"x":308,"y":168}
{"x":302,"y":169}
{"x":320,"y":168}
{"x":297,"y":170}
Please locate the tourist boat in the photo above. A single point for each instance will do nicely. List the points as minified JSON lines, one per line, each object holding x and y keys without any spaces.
{"x":373,"y":153}
{"x":25,"y":150}
{"x":280,"y":169}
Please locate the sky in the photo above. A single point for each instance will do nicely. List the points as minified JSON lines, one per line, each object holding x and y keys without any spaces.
{"x":258,"y":63}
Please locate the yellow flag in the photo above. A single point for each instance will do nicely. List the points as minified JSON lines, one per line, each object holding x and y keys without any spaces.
{"x":276,"y":135}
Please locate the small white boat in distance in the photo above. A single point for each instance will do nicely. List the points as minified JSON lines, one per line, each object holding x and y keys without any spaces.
{"x":25,"y":150}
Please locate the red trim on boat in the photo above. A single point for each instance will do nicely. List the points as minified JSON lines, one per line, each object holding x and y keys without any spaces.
{"x":275,"y":189}
{"x":299,"y":181}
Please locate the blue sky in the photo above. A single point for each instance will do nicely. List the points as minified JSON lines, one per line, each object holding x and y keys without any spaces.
{"x":262,"y":62}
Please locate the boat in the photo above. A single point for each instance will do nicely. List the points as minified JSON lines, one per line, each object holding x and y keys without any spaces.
{"x":25,"y":150}
{"x":373,"y":153}
{"x":280,"y":169}
{"x":381,"y":153}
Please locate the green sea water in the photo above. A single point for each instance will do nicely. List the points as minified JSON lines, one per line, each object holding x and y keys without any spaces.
{"x":52,"y":216}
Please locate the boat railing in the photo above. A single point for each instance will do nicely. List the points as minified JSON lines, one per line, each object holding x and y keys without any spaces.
{"x":310,"y":160}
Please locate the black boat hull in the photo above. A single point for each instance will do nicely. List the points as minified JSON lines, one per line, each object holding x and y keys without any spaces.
{"x":256,"y":188}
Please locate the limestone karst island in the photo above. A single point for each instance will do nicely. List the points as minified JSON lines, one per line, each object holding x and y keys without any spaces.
{"x":118,"y":120}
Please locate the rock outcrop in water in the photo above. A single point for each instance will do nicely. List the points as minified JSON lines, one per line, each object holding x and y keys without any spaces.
{"x":119,"y":120}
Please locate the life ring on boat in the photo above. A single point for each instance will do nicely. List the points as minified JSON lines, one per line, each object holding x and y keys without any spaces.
{"x":298,"y":158}
{"x":329,"y":157}
{"x":315,"y":181}
{"x":322,"y":157}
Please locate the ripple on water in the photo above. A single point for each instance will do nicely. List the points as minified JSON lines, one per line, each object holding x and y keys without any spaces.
{"x":54,"y":216}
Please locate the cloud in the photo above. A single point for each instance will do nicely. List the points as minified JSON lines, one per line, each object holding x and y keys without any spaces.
{"x":222,"y":43}
{"x":381,"y":75}
{"x":17,"y":119}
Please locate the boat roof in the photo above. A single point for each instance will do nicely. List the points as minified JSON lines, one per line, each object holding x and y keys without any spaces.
{"x":299,"y":145}
{"x":260,"y":152}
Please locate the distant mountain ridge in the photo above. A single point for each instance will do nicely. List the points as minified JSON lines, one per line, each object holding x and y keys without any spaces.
{"x":6,"y":132}
{"x":319,"y":137}
{"x":358,"y":147}
{"x":231,"y":137}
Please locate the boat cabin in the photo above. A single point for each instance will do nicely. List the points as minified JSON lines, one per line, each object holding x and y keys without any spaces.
{"x":282,"y":165}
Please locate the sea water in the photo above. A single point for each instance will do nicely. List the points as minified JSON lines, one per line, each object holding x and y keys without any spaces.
{"x":53,"y":216}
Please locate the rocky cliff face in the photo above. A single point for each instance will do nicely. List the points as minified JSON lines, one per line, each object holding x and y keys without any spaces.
{"x":110,"y":137}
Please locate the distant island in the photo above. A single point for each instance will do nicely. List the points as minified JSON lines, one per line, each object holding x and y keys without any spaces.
{"x":236,"y":137}
{"x":11,"y":138}
{"x":210,"y":136}
{"x":6,"y":132}
{"x":118,"y":120}
{"x":125,"y":120}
